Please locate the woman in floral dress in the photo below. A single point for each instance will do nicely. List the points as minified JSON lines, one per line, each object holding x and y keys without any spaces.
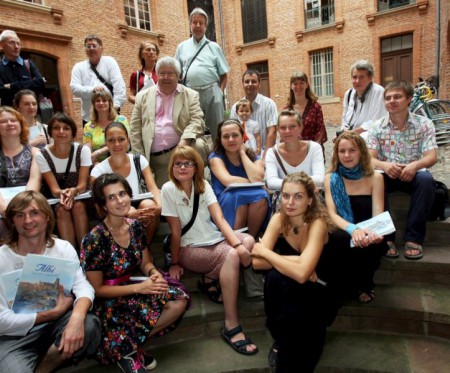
{"x":130,"y":313}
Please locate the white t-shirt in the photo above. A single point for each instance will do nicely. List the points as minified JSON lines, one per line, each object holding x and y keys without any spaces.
{"x":105,"y":168}
{"x":176,"y":203}
{"x":61,"y":164}
{"x":20,"y":324}
{"x":312,"y":165}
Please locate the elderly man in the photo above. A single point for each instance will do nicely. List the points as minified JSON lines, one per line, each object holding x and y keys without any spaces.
{"x":204,"y":69}
{"x":97,"y":73}
{"x":165,"y":116}
{"x":40,"y":342}
{"x":403,"y":146}
{"x":15,"y":72}
{"x":264,"y":109}
{"x":364,"y":102}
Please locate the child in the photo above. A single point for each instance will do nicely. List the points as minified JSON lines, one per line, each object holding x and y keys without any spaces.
{"x":251,"y":127}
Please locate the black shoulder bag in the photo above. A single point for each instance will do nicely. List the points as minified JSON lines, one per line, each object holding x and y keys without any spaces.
{"x":183,"y":81}
{"x":141,"y":181}
{"x":108,"y":85}
{"x":3,"y":171}
{"x":166,"y":242}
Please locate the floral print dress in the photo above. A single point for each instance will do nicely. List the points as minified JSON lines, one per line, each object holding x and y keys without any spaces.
{"x":126,"y":321}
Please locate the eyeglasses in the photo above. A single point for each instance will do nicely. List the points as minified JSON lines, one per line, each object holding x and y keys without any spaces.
{"x":166,"y":74}
{"x":14,"y":43}
{"x":184,"y":164}
{"x":91,"y":46}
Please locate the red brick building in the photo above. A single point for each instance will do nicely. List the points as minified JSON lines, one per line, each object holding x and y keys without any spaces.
{"x":403,"y":38}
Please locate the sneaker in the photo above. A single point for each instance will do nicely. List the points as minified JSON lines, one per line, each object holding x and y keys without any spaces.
{"x":147,"y":360}
{"x":131,"y":364}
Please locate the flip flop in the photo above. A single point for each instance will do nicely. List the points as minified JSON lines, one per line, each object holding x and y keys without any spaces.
{"x":394,"y":252}
{"x":413,"y":246}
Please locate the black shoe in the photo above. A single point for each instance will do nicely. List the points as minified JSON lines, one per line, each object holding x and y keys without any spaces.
{"x":131,"y":364}
{"x":273,"y":355}
{"x":147,"y":360}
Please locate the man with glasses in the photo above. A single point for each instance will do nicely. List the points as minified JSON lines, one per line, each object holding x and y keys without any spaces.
{"x":15,"y":72}
{"x":97,"y":73}
{"x":403,"y":146}
{"x":167,"y":115}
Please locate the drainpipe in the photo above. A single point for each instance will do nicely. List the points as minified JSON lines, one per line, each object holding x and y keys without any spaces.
{"x":438,"y":44}
{"x":222,"y":37}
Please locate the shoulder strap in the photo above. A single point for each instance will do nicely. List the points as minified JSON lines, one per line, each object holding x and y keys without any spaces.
{"x":69,"y":163}
{"x":137,"y":165}
{"x":27,"y":65}
{"x":137,"y":80}
{"x":277,"y":156}
{"x":194,"y":215}
{"x":190,"y":63}
{"x":49,"y":160}
{"x":349,"y":96}
{"x":78,"y":157}
{"x":108,"y":85}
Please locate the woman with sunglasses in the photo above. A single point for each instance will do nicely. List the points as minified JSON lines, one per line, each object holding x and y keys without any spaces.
{"x":218,"y":253}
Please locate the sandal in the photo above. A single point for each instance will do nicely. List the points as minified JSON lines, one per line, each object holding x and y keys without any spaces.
{"x":210,"y":289}
{"x":273,"y":355}
{"x":370,"y":294}
{"x":392,"y":252}
{"x":239,"y":346}
{"x":413,"y":246}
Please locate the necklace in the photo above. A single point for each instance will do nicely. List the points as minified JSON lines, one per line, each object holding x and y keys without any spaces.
{"x":296,"y":228}
{"x":119,"y":236}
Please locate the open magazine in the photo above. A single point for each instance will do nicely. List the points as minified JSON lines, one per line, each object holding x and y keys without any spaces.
{"x":40,"y":281}
{"x":381,"y":225}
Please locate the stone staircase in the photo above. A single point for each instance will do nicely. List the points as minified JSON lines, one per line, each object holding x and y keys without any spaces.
{"x":405,"y":329}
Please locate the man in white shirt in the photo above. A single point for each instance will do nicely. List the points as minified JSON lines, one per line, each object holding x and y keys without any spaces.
{"x":264,"y":109}
{"x":364,"y":103}
{"x":97,"y":73}
{"x":40,"y":342}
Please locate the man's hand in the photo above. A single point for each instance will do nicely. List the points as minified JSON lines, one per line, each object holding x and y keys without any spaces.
{"x":7,"y":85}
{"x":393,"y":170}
{"x":73,"y":336}
{"x":408,"y":173}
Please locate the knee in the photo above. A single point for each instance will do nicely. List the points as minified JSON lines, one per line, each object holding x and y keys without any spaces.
{"x":248,"y":242}
{"x":177,"y":307}
{"x":92,"y":334}
{"x":233,"y":258}
{"x":79,"y":208}
{"x":62,"y":213}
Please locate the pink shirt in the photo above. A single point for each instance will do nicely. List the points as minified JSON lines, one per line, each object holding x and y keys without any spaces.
{"x":166,"y":136}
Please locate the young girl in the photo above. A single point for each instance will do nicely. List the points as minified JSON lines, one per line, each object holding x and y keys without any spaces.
{"x":66,"y":181}
{"x":130,"y":313}
{"x":252,"y":135}
{"x":297,"y":302}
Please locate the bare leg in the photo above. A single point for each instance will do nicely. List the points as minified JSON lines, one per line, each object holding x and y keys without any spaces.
{"x":51,"y":360}
{"x":171,"y":312}
{"x":65,"y":225}
{"x":80,"y":221}
{"x":257,"y":213}
{"x":241,"y":217}
{"x":229,"y":283}
{"x":152,"y":227}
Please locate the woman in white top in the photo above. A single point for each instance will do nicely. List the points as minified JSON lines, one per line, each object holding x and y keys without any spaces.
{"x":66,"y":181}
{"x":294,"y":155}
{"x":25,"y":102}
{"x":219,"y":262}
{"x":120,"y":162}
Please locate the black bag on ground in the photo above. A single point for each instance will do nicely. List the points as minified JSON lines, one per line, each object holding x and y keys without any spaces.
{"x":440,"y":202}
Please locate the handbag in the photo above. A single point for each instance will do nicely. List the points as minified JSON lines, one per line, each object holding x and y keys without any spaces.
{"x":141,"y":181}
{"x":167,"y":249}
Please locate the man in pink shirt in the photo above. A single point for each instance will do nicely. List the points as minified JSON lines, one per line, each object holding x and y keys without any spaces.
{"x":165,"y":116}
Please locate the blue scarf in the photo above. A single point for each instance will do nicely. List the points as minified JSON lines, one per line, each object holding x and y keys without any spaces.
{"x":340,"y":197}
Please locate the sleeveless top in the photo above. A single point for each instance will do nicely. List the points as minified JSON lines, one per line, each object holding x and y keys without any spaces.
{"x":18,"y":168}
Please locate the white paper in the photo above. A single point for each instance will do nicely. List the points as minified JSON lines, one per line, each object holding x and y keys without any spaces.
{"x":8,"y":193}
{"x":216,"y":240}
{"x":381,"y":225}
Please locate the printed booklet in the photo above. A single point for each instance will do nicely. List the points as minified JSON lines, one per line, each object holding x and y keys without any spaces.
{"x":9,"y":282}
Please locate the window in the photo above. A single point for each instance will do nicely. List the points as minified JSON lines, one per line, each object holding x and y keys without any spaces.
{"x":322,"y":72}
{"x":254,"y":20}
{"x":137,"y":14}
{"x":319,"y":13}
{"x":390,"y":4}
{"x":40,"y":2}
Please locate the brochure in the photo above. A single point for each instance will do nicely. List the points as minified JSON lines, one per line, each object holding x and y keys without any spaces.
{"x":9,"y":282}
{"x":244,"y":185}
{"x":40,"y":281}
{"x":381,"y":225}
{"x":8,"y":193}
{"x":217,"y":240}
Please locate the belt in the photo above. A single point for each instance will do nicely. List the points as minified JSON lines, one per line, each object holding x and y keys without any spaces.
{"x":117,"y":281}
{"x":163,"y":151}
{"x":204,"y":87}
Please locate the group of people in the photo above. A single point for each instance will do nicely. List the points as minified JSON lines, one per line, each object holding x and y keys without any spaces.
{"x":312,"y":252}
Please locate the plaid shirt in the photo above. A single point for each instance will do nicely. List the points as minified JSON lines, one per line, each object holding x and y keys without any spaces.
{"x":402,"y":146}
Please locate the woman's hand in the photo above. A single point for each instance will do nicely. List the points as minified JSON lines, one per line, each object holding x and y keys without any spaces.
{"x":258,"y":250}
{"x":146,"y":215}
{"x":155,"y":284}
{"x":176,"y":271}
{"x":66,"y":197}
{"x":244,"y":255}
{"x":39,"y":140}
{"x":364,"y":238}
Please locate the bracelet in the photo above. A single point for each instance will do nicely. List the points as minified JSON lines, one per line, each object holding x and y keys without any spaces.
{"x":237,"y":245}
{"x":150,"y":271}
{"x":351,"y":228}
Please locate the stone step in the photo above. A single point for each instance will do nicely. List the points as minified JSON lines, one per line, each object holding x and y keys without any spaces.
{"x":343,"y":352}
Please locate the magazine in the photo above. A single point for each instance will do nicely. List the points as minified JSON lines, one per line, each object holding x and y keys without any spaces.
{"x":9,"y":282}
{"x":40,"y":281}
{"x":216,"y":240}
{"x":381,"y":225}
{"x":244,"y":185}
{"x":88,"y":194}
{"x":8,"y":193}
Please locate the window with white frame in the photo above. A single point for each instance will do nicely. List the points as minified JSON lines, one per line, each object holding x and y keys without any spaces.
{"x":322,"y":72}
{"x":137,"y":14}
{"x":40,"y":2}
{"x":319,"y":13}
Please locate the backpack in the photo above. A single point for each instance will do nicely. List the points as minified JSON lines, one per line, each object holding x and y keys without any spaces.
{"x":440,"y":202}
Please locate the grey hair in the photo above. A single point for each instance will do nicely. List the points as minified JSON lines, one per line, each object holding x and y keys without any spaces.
{"x":198,"y":11}
{"x":363,"y":65}
{"x":168,"y":61}
{"x":7,"y":33}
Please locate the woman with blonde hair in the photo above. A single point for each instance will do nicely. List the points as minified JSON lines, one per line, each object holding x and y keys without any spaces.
{"x":102,"y":114}
{"x":145,"y":77}
{"x":303,"y":100}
